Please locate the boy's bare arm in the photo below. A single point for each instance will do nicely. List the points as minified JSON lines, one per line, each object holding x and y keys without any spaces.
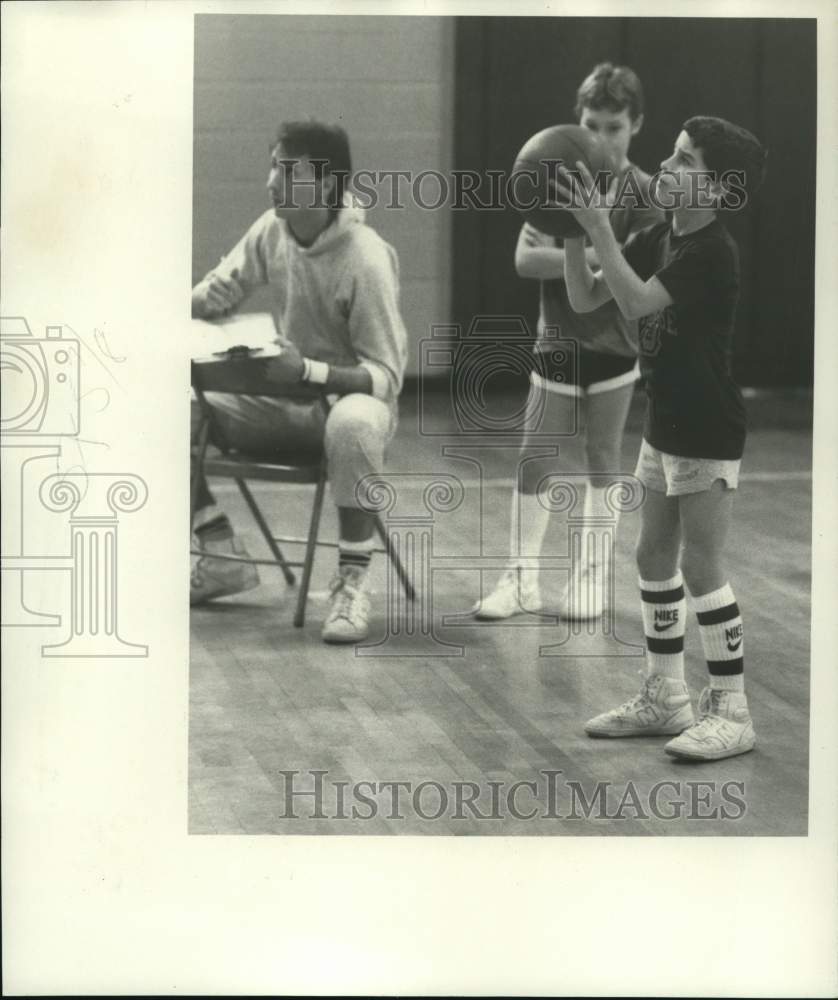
{"x":585,"y":290}
{"x":538,"y":257}
{"x":591,"y":208}
{"x":634,"y":296}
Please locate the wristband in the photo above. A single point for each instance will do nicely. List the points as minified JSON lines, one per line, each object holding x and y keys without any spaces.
{"x":316,"y":372}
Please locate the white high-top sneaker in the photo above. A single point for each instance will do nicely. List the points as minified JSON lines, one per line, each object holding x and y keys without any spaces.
{"x":349,"y":617}
{"x":724,"y":728}
{"x":211,"y":577}
{"x":662,"y":708}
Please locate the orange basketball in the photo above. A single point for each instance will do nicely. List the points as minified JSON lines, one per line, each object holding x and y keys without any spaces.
{"x":538,"y":162}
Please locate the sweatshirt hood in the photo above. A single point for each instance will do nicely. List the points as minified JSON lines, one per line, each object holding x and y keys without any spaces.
{"x":351,"y":215}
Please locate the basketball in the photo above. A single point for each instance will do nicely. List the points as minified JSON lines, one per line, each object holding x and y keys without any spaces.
{"x":538,"y":163}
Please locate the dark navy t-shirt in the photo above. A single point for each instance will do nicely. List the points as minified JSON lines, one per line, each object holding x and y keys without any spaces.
{"x":695,"y":408}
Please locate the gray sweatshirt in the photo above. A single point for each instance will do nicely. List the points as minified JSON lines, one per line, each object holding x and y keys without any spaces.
{"x":337,"y":300}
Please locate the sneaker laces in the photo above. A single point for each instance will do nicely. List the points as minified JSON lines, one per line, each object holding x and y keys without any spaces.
{"x":707,"y":726}
{"x":347,"y":598}
{"x":710,"y":721}
{"x":709,"y":703}
{"x":640,"y":699}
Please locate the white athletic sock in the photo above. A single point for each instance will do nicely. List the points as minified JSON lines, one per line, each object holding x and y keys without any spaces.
{"x":664,"y":620}
{"x":720,"y":625}
{"x":528,"y":526}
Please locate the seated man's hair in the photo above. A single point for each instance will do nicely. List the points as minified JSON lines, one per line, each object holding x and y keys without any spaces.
{"x":727,"y":147}
{"x":610,"y":88}
{"x":326,"y":144}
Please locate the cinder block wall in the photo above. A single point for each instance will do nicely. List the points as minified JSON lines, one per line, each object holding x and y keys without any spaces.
{"x":387,"y":80}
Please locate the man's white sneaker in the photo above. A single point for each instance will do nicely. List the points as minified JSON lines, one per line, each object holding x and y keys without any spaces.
{"x":211,"y":577}
{"x":516,"y":593}
{"x":662,"y":708}
{"x":724,"y":728}
{"x":349,"y":617}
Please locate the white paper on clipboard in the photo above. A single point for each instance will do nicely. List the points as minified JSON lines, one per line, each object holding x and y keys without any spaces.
{"x":255,"y":331}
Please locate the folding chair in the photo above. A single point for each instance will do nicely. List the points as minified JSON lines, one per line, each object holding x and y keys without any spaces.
{"x":239,"y":372}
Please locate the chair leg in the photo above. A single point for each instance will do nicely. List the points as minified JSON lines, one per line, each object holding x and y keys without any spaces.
{"x":198,"y":464}
{"x":311,"y":547}
{"x":409,"y":591}
{"x":276,"y":551}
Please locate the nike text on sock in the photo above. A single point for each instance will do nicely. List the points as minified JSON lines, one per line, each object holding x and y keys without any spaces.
{"x":720,"y":626}
{"x":664,"y":607}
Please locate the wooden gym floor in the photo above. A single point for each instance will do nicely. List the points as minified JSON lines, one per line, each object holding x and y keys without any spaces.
{"x":267,"y":698}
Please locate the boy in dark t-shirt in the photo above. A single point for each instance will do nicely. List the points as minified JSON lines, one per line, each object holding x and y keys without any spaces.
{"x":680,"y":280}
{"x":695,"y":408}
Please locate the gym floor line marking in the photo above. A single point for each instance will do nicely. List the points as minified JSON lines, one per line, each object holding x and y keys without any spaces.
{"x":499,"y":482}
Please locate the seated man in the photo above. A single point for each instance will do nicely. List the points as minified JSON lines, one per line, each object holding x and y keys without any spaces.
{"x":335,"y":305}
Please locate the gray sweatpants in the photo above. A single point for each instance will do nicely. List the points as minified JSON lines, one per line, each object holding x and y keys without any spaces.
{"x":357,"y":432}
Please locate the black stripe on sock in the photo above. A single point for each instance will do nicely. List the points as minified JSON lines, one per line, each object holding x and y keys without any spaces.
{"x":662,"y":596}
{"x":217,"y":528}
{"x":718,"y":615}
{"x":354,"y":558}
{"x":726,"y":668}
{"x":214,"y":524}
{"x":665,"y":645}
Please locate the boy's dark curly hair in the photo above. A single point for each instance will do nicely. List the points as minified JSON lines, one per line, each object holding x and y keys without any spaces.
{"x":728,"y":148}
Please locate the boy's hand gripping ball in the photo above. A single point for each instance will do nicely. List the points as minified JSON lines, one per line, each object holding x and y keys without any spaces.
{"x":537,"y":164}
